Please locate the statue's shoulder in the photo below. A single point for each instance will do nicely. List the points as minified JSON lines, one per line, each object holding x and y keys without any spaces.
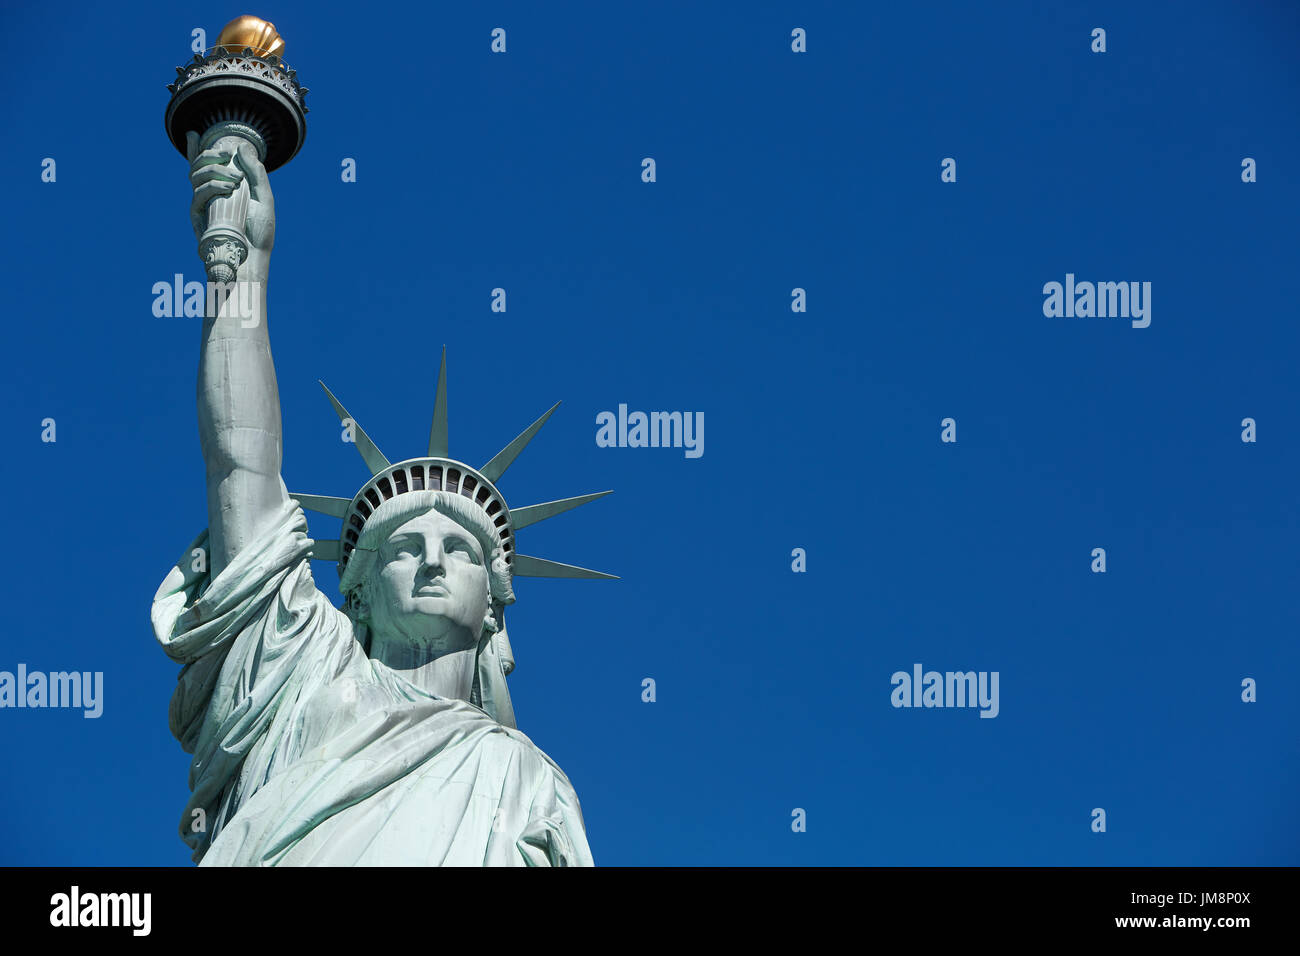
{"x":536,"y":763}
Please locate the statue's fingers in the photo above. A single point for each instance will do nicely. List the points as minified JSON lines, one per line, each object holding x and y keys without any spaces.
{"x":213,"y":190}
{"x":247,"y":159}
{"x":208,"y":192}
{"x":210,"y":157}
{"x":205,"y":174}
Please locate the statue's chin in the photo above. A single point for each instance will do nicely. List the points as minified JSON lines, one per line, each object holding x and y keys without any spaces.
{"x":427,"y":631}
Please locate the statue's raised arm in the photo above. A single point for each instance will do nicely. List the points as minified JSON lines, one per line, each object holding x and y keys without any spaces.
{"x":239,"y":403}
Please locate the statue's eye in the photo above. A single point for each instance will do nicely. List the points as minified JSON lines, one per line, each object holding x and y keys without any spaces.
{"x":463,"y":547}
{"x":407,"y":547}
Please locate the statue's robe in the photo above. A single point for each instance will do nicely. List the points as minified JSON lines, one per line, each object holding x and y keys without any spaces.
{"x":307,"y":752}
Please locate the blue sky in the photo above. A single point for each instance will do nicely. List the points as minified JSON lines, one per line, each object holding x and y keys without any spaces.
{"x":775,"y":170}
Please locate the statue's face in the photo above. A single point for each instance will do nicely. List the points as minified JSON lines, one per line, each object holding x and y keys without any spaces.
{"x":429,"y":585}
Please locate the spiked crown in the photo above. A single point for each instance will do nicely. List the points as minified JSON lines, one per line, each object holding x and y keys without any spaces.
{"x":438,"y":472}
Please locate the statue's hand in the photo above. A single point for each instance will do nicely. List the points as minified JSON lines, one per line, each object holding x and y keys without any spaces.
{"x":216,"y":173}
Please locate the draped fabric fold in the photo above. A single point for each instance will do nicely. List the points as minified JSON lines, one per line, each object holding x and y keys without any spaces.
{"x":307,"y":752}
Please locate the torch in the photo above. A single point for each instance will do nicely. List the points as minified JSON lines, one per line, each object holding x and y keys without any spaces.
{"x":240,"y":91}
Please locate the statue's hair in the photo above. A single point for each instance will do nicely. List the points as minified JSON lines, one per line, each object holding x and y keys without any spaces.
{"x":394,"y":513}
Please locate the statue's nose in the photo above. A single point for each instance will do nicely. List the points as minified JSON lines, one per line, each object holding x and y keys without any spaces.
{"x":434,"y":560}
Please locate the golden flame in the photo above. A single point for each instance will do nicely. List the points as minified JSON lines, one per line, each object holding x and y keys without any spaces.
{"x":253,"y":32}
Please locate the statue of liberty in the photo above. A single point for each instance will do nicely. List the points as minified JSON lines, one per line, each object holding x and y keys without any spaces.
{"x":380,"y":733}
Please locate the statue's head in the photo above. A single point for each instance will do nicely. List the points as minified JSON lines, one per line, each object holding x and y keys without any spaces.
{"x":429,"y":571}
{"x":427,"y":554}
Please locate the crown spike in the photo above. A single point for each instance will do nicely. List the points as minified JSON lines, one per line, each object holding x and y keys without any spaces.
{"x":438,"y":430}
{"x":325,"y":551}
{"x":324,"y":504}
{"x":374,"y":458}
{"x":494,"y":469}
{"x":531,"y":514}
{"x":529,"y":567}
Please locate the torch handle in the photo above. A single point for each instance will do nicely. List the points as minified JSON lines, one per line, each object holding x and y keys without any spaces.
{"x":223,"y":247}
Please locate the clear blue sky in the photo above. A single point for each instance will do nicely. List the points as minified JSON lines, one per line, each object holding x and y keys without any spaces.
{"x":775,"y":170}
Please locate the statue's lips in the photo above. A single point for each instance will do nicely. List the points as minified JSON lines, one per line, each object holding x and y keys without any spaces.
{"x":432,"y":590}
